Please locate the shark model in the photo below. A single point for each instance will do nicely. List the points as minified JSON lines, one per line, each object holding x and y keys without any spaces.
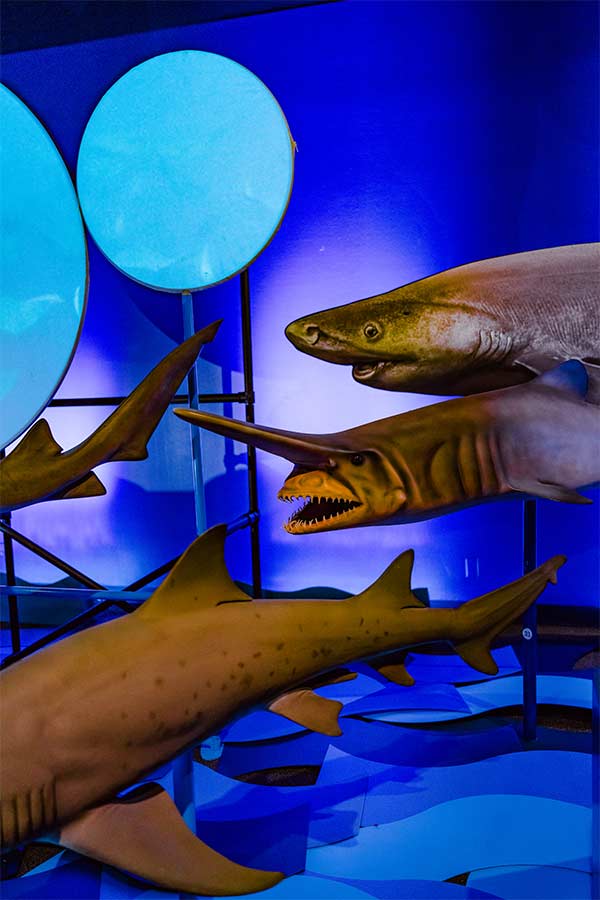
{"x":89,"y":715}
{"x":38,"y":469}
{"x":478,"y":327}
{"x":539,"y":439}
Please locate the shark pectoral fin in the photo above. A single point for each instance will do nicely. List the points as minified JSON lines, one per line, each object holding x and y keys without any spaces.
{"x":199,"y":578}
{"x":393,"y":667}
{"x":38,"y":442}
{"x":548,"y":491}
{"x":90,"y":486}
{"x":571,"y":375}
{"x":309,"y":710}
{"x":147,"y":837}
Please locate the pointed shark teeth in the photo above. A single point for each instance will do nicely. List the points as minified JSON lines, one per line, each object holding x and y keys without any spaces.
{"x":315,"y":511}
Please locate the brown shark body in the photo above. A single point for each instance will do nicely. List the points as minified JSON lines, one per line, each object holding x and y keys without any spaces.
{"x":540,"y":439}
{"x":478,"y":327}
{"x":38,"y":469}
{"x":89,"y":715}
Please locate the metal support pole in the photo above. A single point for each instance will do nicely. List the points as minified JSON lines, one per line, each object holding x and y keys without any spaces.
{"x":195,"y":433}
{"x":595,"y":783}
{"x":13,"y":606}
{"x":249,"y":391}
{"x":529,"y":632}
{"x":49,"y":557}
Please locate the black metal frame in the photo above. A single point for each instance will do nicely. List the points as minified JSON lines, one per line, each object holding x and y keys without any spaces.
{"x":248,"y":520}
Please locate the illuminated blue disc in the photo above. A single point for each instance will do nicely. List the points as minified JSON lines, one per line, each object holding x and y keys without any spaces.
{"x":43,"y":268}
{"x":185,"y":170}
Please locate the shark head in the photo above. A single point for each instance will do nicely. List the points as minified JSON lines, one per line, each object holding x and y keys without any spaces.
{"x":341,"y":480}
{"x":407,"y":339}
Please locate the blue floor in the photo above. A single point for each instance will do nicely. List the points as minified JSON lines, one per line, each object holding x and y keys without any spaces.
{"x":426,"y":784}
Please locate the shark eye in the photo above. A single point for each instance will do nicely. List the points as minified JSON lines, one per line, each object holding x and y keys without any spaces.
{"x":371,"y":330}
{"x":357,"y":460}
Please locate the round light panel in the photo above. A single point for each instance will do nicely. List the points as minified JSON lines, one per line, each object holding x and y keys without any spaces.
{"x":43,"y":268}
{"x":185,"y":170}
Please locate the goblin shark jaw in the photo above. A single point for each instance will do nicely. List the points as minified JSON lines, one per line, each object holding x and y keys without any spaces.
{"x":325,"y":502}
{"x":319,"y":513}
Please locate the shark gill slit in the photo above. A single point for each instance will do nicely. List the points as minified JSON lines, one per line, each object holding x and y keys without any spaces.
{"x":466,"y":464}
{"x":25,"y":815}
{"x":490,"y":483}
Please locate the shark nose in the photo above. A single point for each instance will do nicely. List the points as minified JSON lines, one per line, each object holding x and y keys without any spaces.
{"x":301,"y":332}
{"x":312,"y":481}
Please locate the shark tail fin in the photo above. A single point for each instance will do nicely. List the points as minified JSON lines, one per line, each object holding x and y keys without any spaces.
{"x":147,"y":837}
{"x":134,"y":421}
{"x":393,"y":587}
{"x":484,"y":618}
{"x":198,"y":579}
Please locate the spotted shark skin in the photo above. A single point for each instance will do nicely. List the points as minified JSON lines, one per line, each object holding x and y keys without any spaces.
{"x":474,"y":328}
{"x":89,"y":715}
{"x":540,"y":439}
{"x":39,"y":469}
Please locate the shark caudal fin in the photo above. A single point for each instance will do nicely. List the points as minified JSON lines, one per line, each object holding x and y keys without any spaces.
{"x":393,"y":587}
{"x":147,"y":837}
{"x":482,"y":619}
{"x":198,"y":579}
{"x":132,"y":424}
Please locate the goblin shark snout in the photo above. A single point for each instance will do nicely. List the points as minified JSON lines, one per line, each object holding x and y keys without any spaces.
{"x":303,"y":332}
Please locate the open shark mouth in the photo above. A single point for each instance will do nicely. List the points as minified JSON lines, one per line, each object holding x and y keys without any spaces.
{"x":317,"y":512}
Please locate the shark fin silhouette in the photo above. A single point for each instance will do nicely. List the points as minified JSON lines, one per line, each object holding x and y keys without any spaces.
{"x":90,"y":486}
{"x":199,"y":578}
{"x":147,"y":837}
{"x":393,"y":587}
{"x":135,"y":420}
{"x":309,"y":710}
{"x":490,"y":614}
{"x":38,"y":441}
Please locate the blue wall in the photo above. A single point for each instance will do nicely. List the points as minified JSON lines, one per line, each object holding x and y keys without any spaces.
{"x":429,"y":134}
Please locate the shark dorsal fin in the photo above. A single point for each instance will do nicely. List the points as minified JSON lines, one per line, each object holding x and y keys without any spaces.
{"x":569,"y":376}
{"x":198,"y":579}
{"x":38,"y":442}
{"x":393,"y":586}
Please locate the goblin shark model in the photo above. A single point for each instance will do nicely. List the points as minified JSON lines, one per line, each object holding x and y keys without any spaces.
{"x":38,"y":469}
{"x":540,"y":439}
{"x":478,"y":327}
{"x":87,"y":716}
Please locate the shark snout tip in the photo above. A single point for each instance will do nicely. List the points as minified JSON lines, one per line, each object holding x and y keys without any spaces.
{"x":302,"y":332}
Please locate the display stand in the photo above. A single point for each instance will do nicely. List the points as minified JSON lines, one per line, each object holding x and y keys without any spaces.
{"x":104,"y":598}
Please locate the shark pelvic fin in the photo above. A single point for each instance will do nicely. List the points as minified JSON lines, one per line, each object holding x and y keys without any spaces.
{"x":38,"y":442}
{"x":147,"y":837}
{"x":198,"y":579}
{"x":482,"y":619}
{"x":393,"y":667}
{"x":393,"y":587}
{"x":309,"y":710}
{"x":548,"y":491}
{"x":90,"y":486}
